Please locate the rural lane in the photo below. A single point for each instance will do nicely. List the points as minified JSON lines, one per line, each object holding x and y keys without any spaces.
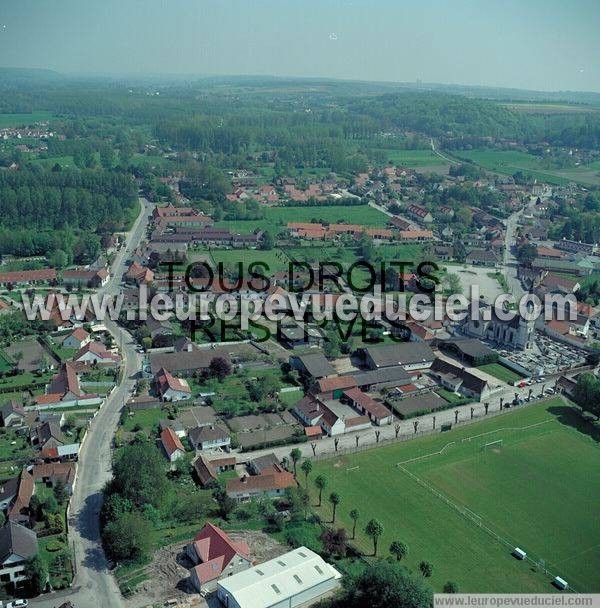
{"x":94,"y":586}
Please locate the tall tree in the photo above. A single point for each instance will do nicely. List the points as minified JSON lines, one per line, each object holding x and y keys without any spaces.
{"x":334,"y":500}
{"x":399,"y":549}
{"x":374,"y":529}
{"x":295,"y":456}
{"x":354,"y":516}
{"x":306,"y":467}
{"x":321,"y":484}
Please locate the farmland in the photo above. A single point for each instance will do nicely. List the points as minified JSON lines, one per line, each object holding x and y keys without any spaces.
{"x":414,"y":159}
{"x":277,"y":218}
{"x":446,"y":486}
{"x":18,"y":120}
{"x":509,"y":162}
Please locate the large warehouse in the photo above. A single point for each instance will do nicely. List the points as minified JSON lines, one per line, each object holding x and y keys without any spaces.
{"x":290,"y":580}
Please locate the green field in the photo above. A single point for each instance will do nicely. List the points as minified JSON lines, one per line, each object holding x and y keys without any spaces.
{"x":275,"y":258}
{"x":413,"y":158}
{"x":5,"y":362}
{"x":277,"y":218}
{"x":17,"y":120}
{"x":538,"y":491}
{"x":509,"y":162}
{"x":499,"y":371}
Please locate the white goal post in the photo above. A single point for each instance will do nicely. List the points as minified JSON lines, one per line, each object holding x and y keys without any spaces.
{"x":492,"y":445}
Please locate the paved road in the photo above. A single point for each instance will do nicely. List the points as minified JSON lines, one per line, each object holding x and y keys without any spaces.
{"x":94,"y":586}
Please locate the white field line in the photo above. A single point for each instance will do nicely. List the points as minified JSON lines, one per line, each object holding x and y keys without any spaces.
{"x":399,"y":464}
{"x":352,"y":468}
{"x":508,"y":428}
{"x":475,"y":518}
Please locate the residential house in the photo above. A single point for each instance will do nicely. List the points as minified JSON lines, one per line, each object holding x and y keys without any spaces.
{"x":171,"y":388}
{"x":207,"y":471}
{"x":270,"y":484}
{"x":18,"y":544}
{"x":85,"y":277}
{"x":215,"y":556}
{"x":78,"y":338}
{"x":457,"y":379}
{"x":171,"y":445}
{"x":209,"y":437}
{"x":95,"y":353}
{"x":365,"y":404}
{"x":13,"y":414}
{"x":482,"y":257}
{"x":420,"y":214}
{"x":24,"y":278}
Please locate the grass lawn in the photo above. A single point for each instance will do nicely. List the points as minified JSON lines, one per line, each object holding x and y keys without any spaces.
{"x":510,"y":161}
{"x":17,"y":120}
{"x":539,"y":491}
{"x":5,"y":362}
{"x":412,"y":158}
{"x":499,"y":371}
{"x":277,"y":218}
{"x":275,"y":258}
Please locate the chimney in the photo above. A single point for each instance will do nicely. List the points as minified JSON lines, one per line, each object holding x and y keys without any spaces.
{"x":243,"y":479}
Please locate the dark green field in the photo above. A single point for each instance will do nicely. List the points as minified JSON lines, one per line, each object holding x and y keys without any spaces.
{"x":538,"y":490}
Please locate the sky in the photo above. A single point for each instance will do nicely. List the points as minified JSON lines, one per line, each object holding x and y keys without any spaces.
{"x":533,"y":44}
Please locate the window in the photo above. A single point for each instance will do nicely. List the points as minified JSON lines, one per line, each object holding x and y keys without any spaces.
{"x":281,"y":563}
{"x":298,"y":579}
{"x":318,"y":569}
{"x":276,"y":589}
{"x":301,"y":554}
{"x":259,"y":572}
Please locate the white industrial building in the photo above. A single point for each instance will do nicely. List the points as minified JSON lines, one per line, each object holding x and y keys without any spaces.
{"x":292,"y":579}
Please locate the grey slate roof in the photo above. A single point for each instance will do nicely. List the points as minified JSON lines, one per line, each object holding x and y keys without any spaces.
{"x":400,"y":353}
{"x":316,"y":365}
{"x":17,"y":540}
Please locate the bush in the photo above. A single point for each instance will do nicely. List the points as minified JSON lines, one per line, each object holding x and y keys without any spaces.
{"x":55,"y":545}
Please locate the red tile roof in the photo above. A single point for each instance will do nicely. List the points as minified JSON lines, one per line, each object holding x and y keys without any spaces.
{"x":44,"y":274}
{"x":215,"y":550}
{"x":171,"y":442}
{"x":376,"y":409}
{"x":325,"y":385}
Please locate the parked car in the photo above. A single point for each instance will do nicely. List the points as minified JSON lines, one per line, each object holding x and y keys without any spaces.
{"x":17,"y":604}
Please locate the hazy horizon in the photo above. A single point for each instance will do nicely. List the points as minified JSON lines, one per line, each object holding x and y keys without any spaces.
{"x":543,"y":46}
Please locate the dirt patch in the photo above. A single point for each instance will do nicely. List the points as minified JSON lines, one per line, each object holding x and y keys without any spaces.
{"x":168,"y":574}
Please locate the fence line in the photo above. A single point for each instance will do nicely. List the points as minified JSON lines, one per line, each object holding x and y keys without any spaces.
{"x":425,"y":433}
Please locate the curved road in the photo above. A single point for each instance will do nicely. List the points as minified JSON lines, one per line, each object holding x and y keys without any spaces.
{"x":94,"y":586}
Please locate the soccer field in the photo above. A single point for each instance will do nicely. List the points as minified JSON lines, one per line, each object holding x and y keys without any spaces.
{"x":464,"y":508}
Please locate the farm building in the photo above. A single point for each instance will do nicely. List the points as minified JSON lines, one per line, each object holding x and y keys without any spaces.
{"x":296,"y":578}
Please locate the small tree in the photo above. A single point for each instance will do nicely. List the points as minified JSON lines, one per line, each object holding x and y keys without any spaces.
{"x":374,"y":529}
{"x":334,"y":541}
{"x":321,"y":483}
{"x":354,"y":516}
{"x":36,"y":573}
{"x":59,"y":491}
{"x":399,"y":549}
{"x":426,"y":569}
{"x":219,"y":368}
{"x":295,"y":456}
{"x":334,"y":499}
{"x":306,"y":467}
{"x":450,"y":587}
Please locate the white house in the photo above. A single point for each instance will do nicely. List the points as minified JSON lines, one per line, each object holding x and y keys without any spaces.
{"x":78,"y":338}
{"x":171,"y":444}
{"x":209,"y":437}
{"x":17,"y":545}
{"x":171,"y":388}
{"x":95,"y":352}
{"x":299,"y":577}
